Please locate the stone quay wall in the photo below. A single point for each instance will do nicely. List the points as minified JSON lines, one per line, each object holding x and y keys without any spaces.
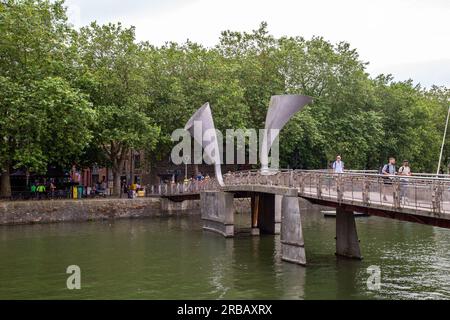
{"x":51,"y":211}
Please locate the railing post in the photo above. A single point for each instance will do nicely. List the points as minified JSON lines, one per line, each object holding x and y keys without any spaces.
{"x":396,"y":193}
{"x":291,"y":178}
{"x":339,"y":188}
{"x":318,"y":186}
{"x":437,"y":198}
{"x":301,"y":182}
{"x":366,"y":190}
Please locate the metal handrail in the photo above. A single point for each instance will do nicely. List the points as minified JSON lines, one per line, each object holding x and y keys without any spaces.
{"x":416,"y":192}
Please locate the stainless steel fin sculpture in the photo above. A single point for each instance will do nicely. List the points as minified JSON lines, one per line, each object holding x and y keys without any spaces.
{"x":204,"y":117}
{"x":281,"y":109}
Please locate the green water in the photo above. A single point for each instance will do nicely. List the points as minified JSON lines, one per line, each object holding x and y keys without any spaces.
{"x":172,"y":258}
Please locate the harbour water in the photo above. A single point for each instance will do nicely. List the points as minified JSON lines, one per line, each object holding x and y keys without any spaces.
{"x":172,"y":258}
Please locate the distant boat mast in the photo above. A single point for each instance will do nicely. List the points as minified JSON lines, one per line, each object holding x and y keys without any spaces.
{"x":443,"y":142}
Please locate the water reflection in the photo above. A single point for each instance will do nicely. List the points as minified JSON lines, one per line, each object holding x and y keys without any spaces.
{"x":290,"y":277}
{"x":173,"y":258}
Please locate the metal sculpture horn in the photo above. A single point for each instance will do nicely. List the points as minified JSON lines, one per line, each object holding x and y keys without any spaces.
{"x":281,"y":110}
{"x":204,"y":116}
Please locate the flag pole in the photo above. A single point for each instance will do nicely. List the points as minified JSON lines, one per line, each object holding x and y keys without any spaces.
{"x":443,"y":142}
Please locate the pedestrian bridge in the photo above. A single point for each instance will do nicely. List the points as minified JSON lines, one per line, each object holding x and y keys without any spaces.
{"x":423,"y":199}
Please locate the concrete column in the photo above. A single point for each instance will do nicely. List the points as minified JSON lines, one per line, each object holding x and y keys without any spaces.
{"x":292,"y":244}
{"x":255,"y":214}
{"x":278,"y":211}
{"x":217,"y":209}
{"x":269,"y":215}
{"x":347,"y":243}
{"x":266,"y":219}
{"x":167,"y":205}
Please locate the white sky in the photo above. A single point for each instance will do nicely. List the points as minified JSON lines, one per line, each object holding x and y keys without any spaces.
{"x":407,"y":38}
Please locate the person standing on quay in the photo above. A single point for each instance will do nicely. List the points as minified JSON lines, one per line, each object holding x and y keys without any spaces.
{"x":41,"y":190}
{"x":33,"y":191}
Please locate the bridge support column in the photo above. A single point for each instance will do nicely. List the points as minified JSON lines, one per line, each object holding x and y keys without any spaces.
{"x":217,"y":209}
{"x":167,"y":205}
{"x":269,"y":215}
{"x":347,"y":243}
{"x":292,"y":244}
{"x":255,"y":214}
{"x":278,"y":212}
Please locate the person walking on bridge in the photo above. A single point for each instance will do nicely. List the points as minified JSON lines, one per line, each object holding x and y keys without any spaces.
{"x":338,"y":165}
{"x":404,"y":170}
{"x":388,"y":169}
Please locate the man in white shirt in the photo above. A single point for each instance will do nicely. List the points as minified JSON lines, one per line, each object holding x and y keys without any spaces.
{"x":404,"y":170}
{"x":338,"y":165}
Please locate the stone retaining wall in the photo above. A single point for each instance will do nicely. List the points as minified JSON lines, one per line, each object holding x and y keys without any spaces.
{"x":49,"y":211}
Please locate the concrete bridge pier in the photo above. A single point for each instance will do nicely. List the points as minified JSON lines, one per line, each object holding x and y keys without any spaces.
{"x":255,"y":214}
{"x":217,"y":209}
{"x":266,"y":213}
{"x":167,"y":205}
{"x":347,"y":242}
{"x":292,"y":243}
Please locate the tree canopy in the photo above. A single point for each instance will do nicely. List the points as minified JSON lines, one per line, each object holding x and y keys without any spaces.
{"x":67,"y":95}
{"x":44,"y":117}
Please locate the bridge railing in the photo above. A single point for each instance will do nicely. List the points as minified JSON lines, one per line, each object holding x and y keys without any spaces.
{"x":429,"y":193}
{"x":188,"y":187}
{"x":366,"y":189}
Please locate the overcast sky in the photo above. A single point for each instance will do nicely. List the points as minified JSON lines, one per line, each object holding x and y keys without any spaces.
{"x":407,"y":38}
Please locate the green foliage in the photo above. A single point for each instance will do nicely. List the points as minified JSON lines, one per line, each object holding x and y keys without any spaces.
{"x":180,"y":79}
{"x":44,"y":119}
{"x":93,"y":95}
{"x":117,"y":88}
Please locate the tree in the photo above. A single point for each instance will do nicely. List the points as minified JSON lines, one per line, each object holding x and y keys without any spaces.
{"x":254,"y":61}
{"x":340,"y":120}
{"x":113,"y":64}
{"x":95,"y":95}
{"x":181,"y":78}
{"x":44,"y":119}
